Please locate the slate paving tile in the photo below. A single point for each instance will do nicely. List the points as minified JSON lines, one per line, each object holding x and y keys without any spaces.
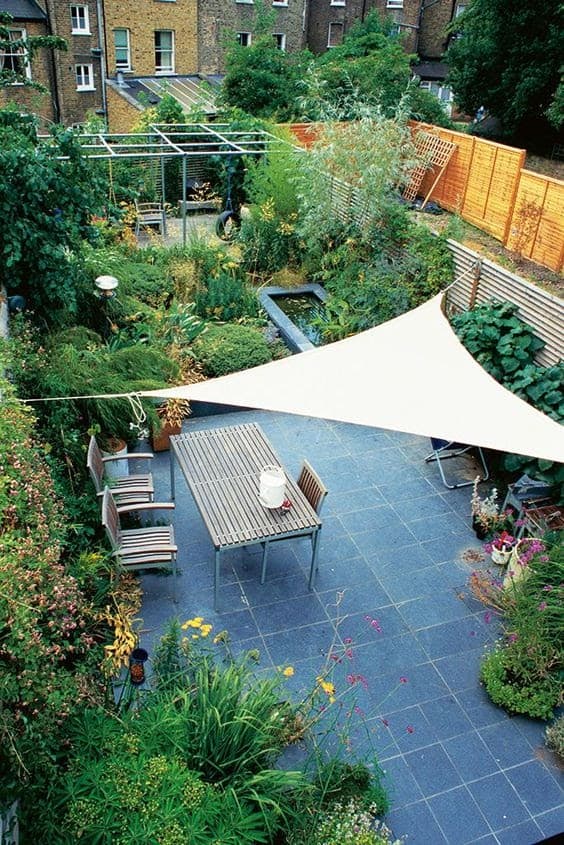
{"x":400,"y":785}
{"x":332,"y":551}
{"x":300,"y":643}
{"x":289,"y":614}
{"x":526,"y":833}
{"x":479,"y":708}
{"x":551,"y":823}
{"x":389,"y":654}
{"x":460,"y":635}
{"x":432,"y":769}
{"x":366,"y":497}
{"x":403,"y":559}
{"x":538,"y":789}
{"x":274,"y":590}
{"x":372,"y":624}
{"x":460,"y":671}
{"x":498,"y":801}
{"x":367,"y":519}
{"x":417,"y":824}
{"x":390,"y":536}
{"x":446,"y":716}
{"x":434,"y":527}
{"x":451,"y":546}
{"x":403,"y":586}
{"x":409,"y":728}
{"x":404,"y":490}
{"x":507,"y":744}
{"x":431,"y":610}
{"x":335,"y":577}
{"x":470,"y":756}
{"x":458,"y":816}
{"x":238,"y":623}
{"x":412,"y":509}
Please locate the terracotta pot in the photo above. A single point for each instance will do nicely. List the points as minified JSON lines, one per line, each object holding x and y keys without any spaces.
{"x":161,"y":439}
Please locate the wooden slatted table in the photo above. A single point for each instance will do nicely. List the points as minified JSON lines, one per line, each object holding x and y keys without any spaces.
{"x":222,"y":468}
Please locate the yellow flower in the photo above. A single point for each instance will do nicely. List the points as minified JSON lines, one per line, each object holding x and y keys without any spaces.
{"x":195,"y":636}
{"x":332,"y":699}
{"x":288,"y":671}
{"x":192,"y":623}
{"x":205,"y":629}
{"x":326,"y":686}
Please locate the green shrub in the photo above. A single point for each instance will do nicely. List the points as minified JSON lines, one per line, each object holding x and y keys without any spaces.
{"x":555,"y":737}
{"x":501,"y":673}
{"x":268,"y":243}
{"x":347,"y":824}
{"x":226,"y":296}
{"x":229,"y":348}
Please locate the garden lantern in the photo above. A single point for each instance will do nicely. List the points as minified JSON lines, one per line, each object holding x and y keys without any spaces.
{"x":137,"y":660}
{"x":107,"y":286}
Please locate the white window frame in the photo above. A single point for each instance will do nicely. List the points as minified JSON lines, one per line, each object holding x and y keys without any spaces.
{"x":19,"y":34}
{"x":249,"y":38}
{"x":394,"y":4}
{"x":338,"y":2}
{"x":87,"y":80}
{"x":279,"y":2}
{"x":247,"y":2}
{"x":160,"y":69}
{"x":80,"y":30}
{"x":127,"y":65}
{"x":443,"y":93}
{"x":280,"y":40}
{"x":330,"y":27}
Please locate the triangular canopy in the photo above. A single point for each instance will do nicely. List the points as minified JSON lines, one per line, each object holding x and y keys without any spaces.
{"x":410,"y":374}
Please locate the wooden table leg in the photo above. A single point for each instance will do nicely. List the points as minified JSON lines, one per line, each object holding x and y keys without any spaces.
{"x":314,"y":551}
{"x":216,"y":581}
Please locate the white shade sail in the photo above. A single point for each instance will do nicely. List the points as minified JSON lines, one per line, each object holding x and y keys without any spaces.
{"x":410,"y":374}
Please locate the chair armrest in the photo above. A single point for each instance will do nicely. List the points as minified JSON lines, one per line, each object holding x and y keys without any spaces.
{"x":144,"y":550}
{"x":147,"y":506}
{"x":131,"y":456}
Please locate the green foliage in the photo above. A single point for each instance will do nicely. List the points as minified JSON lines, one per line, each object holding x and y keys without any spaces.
{"x":48,"y":653}
{"x":226,"y":296}
{"x":229,"y":348}
{"x":348,"y":824}
{"x":506,"y":347}
{"x":508,"y":61}
{"x":555,"y":737}
{"x":524,"y":673}
{"x":500,"y":673}
{"x":48,"y":192}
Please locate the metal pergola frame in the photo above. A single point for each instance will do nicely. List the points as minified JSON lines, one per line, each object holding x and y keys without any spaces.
{"x":164,"y":141}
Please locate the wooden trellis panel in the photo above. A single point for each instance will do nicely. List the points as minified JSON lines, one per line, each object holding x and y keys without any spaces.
{"x":436,"y":153}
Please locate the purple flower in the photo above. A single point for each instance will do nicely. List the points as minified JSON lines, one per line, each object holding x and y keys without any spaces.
{"x":410,"y":729}
{"x":349,"y":653}
{"x":542,"y":605}
{"x":487,"y":617}
{"x":347,"y":640}
{"x":512,"y":638}
{"x":385,"y":723}
{"x":547,"y":588}
{"x":403,"y":680}
{"x":376,"y":625}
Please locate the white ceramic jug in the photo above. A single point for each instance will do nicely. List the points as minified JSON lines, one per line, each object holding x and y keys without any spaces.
{"x":272,"y":490}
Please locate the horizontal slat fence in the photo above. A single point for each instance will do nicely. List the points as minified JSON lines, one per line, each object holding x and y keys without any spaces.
{"x":486,"y":184}
{"x":479,"y":279}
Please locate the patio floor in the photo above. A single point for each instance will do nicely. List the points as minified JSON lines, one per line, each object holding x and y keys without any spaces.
{"x":458,"y":769}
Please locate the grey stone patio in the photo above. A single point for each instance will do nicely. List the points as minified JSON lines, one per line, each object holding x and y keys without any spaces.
{"x":457,"y":768}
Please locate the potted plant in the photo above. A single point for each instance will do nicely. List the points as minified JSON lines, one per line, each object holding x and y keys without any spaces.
{"x":500,"y":548}
{"x":170,"y":415}
{"x":486,"y":515}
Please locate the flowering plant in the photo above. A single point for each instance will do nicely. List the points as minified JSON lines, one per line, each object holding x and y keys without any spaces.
{"x":486,"y":512}
{"x":502,"y":542}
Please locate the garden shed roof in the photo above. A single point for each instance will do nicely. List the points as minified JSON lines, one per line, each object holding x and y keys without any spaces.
{"x":410,"y":374}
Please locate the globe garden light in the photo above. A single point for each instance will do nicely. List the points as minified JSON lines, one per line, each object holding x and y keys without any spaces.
{"x":107,"y":286}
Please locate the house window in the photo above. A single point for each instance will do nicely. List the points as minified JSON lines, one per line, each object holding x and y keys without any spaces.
{"x":122,"y":50}
{"x":279,"y":2}
{"x":80,"y":24}
{"x":164,"y":51}
{"x":243,"y":39}
{"x":14,"y":60}
{"x":84,"y":77}
{"x":279,"y":40}
{"x":460,"y":9}
{"x":335,"y":35}
{"x":338,"y":2}
{"x":443,"y":93}
{"x":394,"y":4}
{"x":245,"y":1}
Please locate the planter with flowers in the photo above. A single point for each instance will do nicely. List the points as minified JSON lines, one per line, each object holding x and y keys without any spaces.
{"x":522,"y":553}
{"x":500,"y":548}
{"x":487,"y":519}
{"x":170,"y":414}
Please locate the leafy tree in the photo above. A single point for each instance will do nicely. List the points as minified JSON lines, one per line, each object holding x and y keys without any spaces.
{"x":370,"y":68}
{"x":48,"y":192}
{"x":507,"y":59}
{"x":28,"y":47}
{"x":261,"y":79}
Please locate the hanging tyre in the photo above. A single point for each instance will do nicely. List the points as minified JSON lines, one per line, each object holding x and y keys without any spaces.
{"x":227,"y":225}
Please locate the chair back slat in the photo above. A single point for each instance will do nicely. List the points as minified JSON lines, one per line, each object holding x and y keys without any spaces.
{"x":312,"y":487}
{"x":95,"y":464}
{"x":110,"y":519}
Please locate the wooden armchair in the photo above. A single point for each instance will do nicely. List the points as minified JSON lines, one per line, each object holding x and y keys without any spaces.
{"x":139,"y":548}
{"x":149,"y":214}
{"x":128,"y":489}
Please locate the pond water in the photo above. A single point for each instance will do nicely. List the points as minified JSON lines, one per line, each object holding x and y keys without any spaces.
{"x":306,"y":311}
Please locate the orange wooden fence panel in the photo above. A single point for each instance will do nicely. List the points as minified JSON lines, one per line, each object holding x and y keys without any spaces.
{"x":536,"y":229}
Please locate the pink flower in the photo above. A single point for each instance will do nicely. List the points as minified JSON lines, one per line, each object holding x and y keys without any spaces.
{"x":547,"y":588}
{"x":542,"y":605}
{"x":403,"y":680}
{"x":385,"y":723}
{"x":347,"y":640}
{"x":410,"y":729}
{"x":487,"y":617}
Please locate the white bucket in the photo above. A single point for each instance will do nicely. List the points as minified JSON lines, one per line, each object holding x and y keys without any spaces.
{"x":272,"y":490}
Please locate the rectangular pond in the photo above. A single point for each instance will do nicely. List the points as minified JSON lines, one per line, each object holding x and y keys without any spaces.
{"x":293,"y":312}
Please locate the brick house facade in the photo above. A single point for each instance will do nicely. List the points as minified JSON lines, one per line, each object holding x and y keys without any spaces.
{"x":31,"y":20}
{"x":218,"y":19}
